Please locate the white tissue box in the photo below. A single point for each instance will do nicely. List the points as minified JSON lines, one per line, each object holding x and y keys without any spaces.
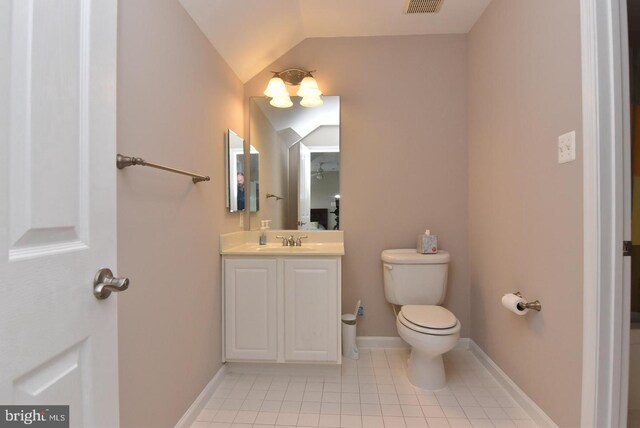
{"x":427,"y":244}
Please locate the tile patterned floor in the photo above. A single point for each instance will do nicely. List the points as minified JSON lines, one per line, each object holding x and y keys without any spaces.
{"x":372,"y":392}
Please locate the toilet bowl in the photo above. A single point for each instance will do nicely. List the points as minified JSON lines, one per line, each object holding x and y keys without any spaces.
{"x":429,"y":339}
{"x":418,"y":283}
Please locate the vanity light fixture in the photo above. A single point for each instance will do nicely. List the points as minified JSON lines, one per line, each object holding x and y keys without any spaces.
{"x":308,"y":90}
{"x":278,"y":92}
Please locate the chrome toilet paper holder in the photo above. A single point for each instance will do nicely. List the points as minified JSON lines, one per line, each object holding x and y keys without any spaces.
{"x":535,"y":305}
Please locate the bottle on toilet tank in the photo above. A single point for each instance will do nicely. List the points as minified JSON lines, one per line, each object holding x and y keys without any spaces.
{"x":427,"y":243}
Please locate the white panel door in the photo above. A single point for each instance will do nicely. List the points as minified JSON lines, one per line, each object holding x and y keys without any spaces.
{"x":58,"y":343}
{"x":311,"y":310}
{"x":304,"y":188}
{"x":250,"y":294}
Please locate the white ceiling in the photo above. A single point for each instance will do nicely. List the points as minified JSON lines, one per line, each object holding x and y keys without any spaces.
{"x":251,"y":34}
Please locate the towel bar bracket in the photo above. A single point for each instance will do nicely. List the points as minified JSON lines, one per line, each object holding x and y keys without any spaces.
{"x":277,"y":198}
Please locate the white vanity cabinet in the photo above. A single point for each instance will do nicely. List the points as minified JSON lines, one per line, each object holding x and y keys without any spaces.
{"x":311,"y":318}
{"x":282,"y":308}
{"x":250,"y":302}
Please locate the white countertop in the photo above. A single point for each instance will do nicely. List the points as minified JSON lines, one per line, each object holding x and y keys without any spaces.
{"x":318,"y":243}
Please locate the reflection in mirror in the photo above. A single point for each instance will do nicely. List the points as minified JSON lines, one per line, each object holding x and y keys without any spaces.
{"x":300,"y":150}
{"x":236,"y":183}
{"x":254,"y":177}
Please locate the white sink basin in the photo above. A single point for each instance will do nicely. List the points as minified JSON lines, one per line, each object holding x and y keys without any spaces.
{"x":283,"y":248}
{"x":325,"y":249}
{"x":317,"y":243}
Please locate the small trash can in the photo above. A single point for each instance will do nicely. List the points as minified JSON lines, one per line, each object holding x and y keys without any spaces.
{"x":349,"y":348}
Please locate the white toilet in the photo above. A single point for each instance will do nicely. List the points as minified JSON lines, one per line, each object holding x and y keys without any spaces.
{"x":418,"y":282}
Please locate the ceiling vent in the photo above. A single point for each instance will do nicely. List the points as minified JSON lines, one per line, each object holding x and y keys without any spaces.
{"x":423,"y":6}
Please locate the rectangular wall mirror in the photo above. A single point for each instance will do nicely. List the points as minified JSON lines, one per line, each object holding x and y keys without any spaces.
{"x":242,"y":189}
{"x":300,"y":149}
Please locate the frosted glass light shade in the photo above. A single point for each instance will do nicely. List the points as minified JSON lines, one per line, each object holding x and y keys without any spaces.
{"x":311,"y":101}
{"x":276,"y":88}
{"x":281,"y":101}
{"x":309,"y":88}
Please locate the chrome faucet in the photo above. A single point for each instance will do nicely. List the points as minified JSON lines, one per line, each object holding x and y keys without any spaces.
{"x":287,"y":242}
{"x":290,"y":241}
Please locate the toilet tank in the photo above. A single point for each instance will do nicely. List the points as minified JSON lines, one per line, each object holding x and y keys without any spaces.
{"x":411,"y":278}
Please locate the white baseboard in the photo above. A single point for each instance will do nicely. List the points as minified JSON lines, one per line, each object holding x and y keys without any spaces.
{"x":527,"y":404}
{"x":198,"y":405}
{"x":366,"y":342}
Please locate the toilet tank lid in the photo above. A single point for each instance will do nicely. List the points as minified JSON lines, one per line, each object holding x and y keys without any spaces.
{"x":411,"y":257}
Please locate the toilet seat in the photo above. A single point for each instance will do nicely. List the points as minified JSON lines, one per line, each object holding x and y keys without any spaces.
{"x":429,"y":319}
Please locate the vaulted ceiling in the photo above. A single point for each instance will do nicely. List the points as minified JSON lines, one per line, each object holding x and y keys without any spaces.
{"x":251,"y":34}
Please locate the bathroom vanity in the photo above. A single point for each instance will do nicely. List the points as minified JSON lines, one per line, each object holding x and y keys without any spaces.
{"x":282,"y":303}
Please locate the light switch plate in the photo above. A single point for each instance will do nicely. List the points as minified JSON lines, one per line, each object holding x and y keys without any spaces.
{"x":567,"y":147}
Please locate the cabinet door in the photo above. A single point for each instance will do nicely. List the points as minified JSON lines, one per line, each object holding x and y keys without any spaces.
{"x":251,"y":325}
{"x":311,"y":310}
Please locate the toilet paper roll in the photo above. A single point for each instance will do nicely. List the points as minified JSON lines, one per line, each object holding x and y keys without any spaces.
{"x":510,"y":301}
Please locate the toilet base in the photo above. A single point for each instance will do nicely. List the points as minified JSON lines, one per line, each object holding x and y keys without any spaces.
{"x":425,"y":370}
{"x":425,"y":367}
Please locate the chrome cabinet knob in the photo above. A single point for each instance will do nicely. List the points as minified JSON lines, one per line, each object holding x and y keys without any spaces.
{"x":105,"y":283}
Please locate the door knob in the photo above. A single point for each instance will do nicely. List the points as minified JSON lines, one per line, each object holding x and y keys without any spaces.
{"x":104,"y":283}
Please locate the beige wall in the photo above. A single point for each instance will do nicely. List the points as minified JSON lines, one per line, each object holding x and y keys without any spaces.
{"x":176,"y":98}
{"x":525,"y":209}
{"x":403,"y":155}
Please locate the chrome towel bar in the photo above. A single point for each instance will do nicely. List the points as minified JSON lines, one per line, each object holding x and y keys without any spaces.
{"x":126,"y":161}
